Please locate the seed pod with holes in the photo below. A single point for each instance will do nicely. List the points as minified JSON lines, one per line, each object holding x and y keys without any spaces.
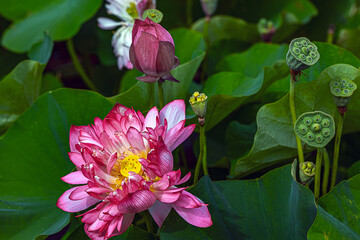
{"x":315,"y":128}
{"x":153,"y":14}
{"x":198,"y":102}
{"x":342,"y":88}
{"x":302,"y":54}
{"x":307,"y":172}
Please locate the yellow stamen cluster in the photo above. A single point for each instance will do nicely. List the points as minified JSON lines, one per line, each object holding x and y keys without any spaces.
{"x":132,"y":11}
{"x":197,"y":97}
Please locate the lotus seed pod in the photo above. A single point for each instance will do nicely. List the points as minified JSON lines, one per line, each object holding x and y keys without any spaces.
{"x":198,"y":102}
{"x":302,"y":54}
{"x":307,"y":172}
{"x":209,"y":6}
{"x":342,"y":88}
{"x":153,"y":14}
{"x":320,"y":128}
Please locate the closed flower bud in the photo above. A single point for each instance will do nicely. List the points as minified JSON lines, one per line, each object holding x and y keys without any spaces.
{"x":198,"y":102}
{"x":302,"y":54}
{"x":152,"y":51}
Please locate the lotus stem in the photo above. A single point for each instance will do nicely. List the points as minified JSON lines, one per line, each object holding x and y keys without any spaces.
{"x":318,"y":172}
{"x":337,"y":149}
{"x":203,"y":149}
{"x":202,"y":155}
{"x":326,"y":172}
{"x":77,"y":65}
{"x":152,"y":94}
{"x":149,"y":222}
{"x":189,"y":18}
{"x":293,"y":116}
{"x":161,"y":94}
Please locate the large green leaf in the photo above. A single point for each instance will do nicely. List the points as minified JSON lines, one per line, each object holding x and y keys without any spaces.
{"x":272,"y":207}
{"x":61,"y":19}
{"x":338,"y":214}
{"x":186,"y":42}
{"x":349,"y":39}
{"x":275,"y":139}
{"x":34,"y":155}
{"x":18,"y":91}
{"x":243,"y":78}
{"x":287,"y":15}
{"x":226,"y":27}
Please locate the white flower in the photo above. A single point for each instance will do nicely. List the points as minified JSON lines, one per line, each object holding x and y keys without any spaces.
{"x":127,"y":11}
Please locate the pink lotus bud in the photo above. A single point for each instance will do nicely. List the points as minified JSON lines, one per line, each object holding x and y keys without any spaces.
{"x":152,"y":51}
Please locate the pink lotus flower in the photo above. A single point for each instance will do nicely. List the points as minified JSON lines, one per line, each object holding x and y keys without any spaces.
{"x":124,"y":165}
{"x":152,"y":51}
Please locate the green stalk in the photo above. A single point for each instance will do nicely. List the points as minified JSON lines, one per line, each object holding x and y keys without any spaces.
{"x":152,"y":94}
{"x":293,"y":116}
{"x":77,"y":65}
{"x":318,"y":173}
{"x":326,"y":172}
{"x":189,"y":19}
{"x":337,"y":149}
{"x":201,"y":155}
{"x":161,"y":94}
{"x":149,"y":222}
{"x":207,"y":43}
{"x":203,"y":149}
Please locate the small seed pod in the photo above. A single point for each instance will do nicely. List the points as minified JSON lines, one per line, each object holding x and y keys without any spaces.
{"x":198,"y":102}
{"x":315,"y":128}
{"x":209,"y":6}
{"x":307,"y":172}
{"x":153,"y":14}
{"x":302,"y":54}
{"x":342,"y":88}
{"x":266,"y":29}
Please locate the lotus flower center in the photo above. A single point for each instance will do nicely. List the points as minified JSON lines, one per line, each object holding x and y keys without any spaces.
{"x":130,"y":164}
{"x":132,"y":11}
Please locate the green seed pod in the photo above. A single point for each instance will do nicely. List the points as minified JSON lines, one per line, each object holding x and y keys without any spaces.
{"x":342,"y":88}
{"x":153,"y":14}
{"x":303,"y":59}
{"x":320,"y":128}
{"x":307,"y":172}
{"x":198,"y":102}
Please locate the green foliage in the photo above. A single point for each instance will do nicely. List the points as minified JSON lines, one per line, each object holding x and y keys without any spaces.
{"x":27,"y":29}
{"x":34,"y":152}
{"x":41,"y":51}
{"x":274,"y":141}
{"x":272,"y":207}
{"x":338,"y":213}
{"x":18,"y":91}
